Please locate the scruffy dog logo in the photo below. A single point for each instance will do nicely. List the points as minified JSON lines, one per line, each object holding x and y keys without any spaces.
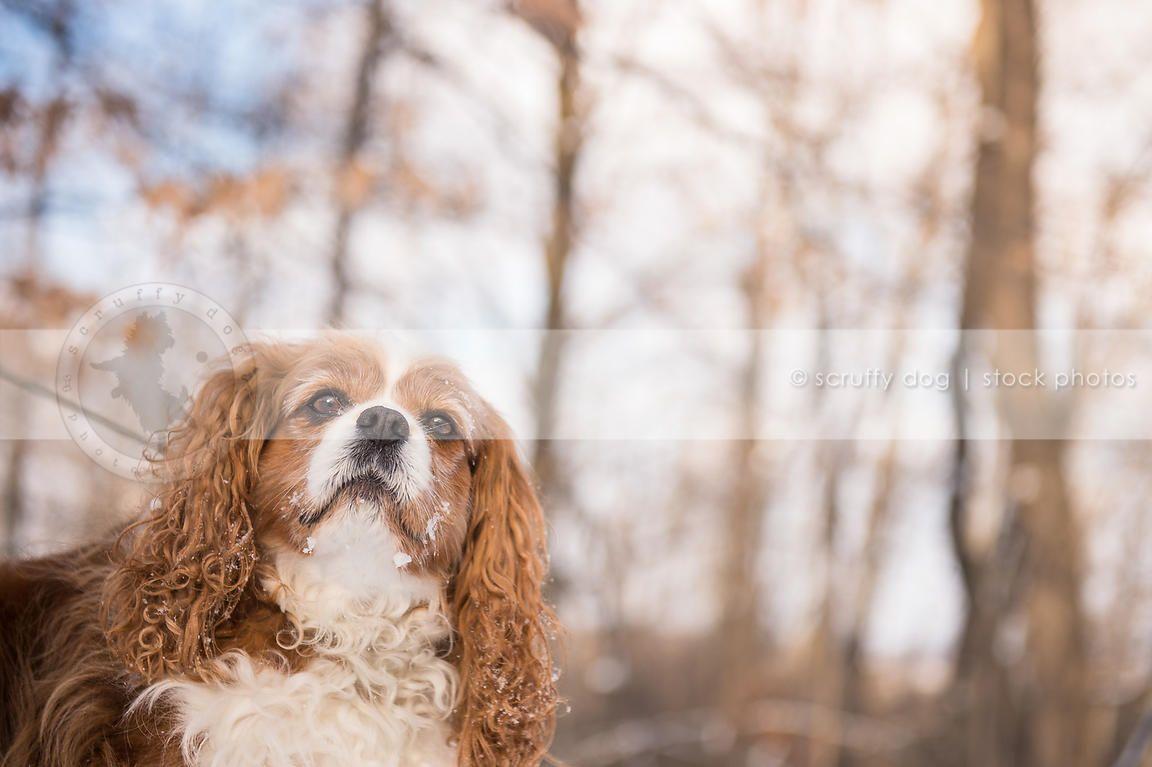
{"x":128,"y":365}
{"x":139,"y":372}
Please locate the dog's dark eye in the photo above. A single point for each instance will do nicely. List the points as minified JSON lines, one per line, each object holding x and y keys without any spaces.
{"x":439,"y":425}
{"x":327,"y":403}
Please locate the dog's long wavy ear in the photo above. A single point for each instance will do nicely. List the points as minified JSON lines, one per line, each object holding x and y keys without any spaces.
{"x":179,"y":572}
{"x":508,"y":698}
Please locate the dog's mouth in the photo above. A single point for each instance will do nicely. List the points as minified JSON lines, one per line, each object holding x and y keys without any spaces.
{"x":367,"y":488}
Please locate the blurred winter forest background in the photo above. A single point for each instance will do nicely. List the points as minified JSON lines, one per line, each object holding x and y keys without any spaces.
{"x":474,"y":169}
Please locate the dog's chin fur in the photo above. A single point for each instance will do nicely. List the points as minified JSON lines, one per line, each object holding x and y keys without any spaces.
{"x":373,"y":691}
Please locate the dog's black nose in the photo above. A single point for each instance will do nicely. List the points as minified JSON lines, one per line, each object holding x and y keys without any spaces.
{"x":384,"y":423}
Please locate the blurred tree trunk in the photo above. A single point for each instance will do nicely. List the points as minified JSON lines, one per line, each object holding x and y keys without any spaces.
{"x":348,"y":182}
{"x":14,"y":495}
{"x":52,"y":123}
{"x":557,"y":256}
{"x":558,"y":22}
{"x":827,"y":656}
{"x":743,"y":523}
{"x":853,"y":663}
{"x":1057,"y":705}
{"x":828,"y":649}
{"x":1137,"y":751}
{"x":1000,"y":292}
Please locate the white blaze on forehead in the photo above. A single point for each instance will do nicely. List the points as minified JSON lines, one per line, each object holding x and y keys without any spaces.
{"x":395,"y":361}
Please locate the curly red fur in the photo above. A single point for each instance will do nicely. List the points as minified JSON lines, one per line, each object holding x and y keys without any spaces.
{"x":64,"y":692}
{"x":181,"y":571}
{"x":86,"y":631}
{"x":509,"y":693}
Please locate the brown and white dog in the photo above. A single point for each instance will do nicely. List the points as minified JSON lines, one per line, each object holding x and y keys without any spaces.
{"x":342,"y":566}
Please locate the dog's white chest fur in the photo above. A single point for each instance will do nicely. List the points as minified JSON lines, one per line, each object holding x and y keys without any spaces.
{"x":373,"y":691}
{"x":330,"y":714}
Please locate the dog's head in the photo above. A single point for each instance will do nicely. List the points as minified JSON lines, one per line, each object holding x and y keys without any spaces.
{"x":375,"y":474}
